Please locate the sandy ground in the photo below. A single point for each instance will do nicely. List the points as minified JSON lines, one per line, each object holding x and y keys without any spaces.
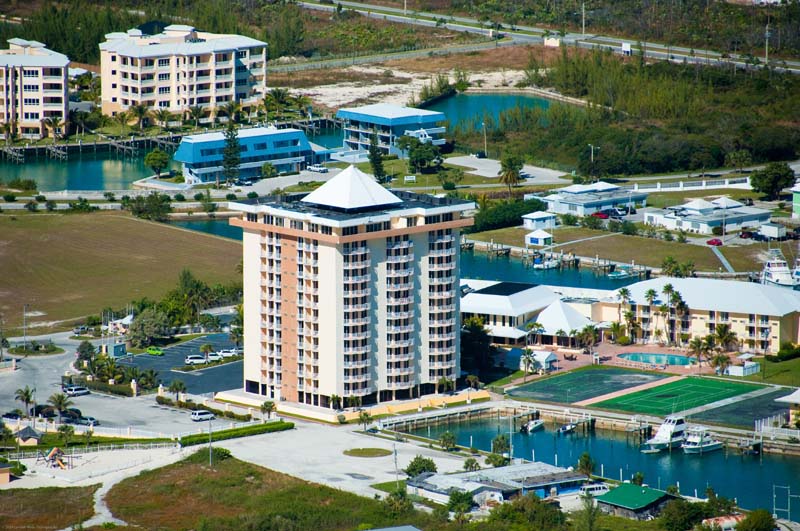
{"x":342,"y":94}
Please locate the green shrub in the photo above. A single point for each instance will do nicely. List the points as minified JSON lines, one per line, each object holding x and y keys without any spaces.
{"x":199,"y":196}
{"x":179,"y":197}
{"x":716,"y":231}
{"x":570,"y":220}
{"x":246,"y":431}
{"x":449,"y":186}
{"x":252,"y":195}
{"x":505,"y":214}
{"x":22,"y":184}
{"x":231,"y":197}
{"x":341,"y":418}
{"x":40,"y":198}
{"x":164,"y":401}
{"x":9,"y":198}
{"x":623,"y":341}
{"x":591,"y":222}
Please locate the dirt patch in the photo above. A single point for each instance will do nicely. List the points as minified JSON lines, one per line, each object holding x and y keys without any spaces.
{"x":493,"y":60}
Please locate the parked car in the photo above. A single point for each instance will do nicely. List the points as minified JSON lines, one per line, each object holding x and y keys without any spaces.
{"x":76,"y":390}
{"x":44,"y":411}
{"x":12,"y":415}
{"x":758,"y":237}
{"x":88,"y":421}
{"x":715,"y":242}
{"x":524,"y":175}
{"x":746,"y":234}
{"x":214,"y":356}
{"x":613,"y":213}
{"x":194,"y":359}
{"x":319,"y":168}
{"x":230,"y":352}
{"x":80,"y":330}
{"x":154,"y":351}
{"x":600,"y":215}
{"x":201,"y":415}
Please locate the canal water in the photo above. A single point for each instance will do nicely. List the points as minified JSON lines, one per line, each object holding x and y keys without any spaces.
{"x":748,"y":479}
{"x":472,"y":109}
{"x":476,"y":264}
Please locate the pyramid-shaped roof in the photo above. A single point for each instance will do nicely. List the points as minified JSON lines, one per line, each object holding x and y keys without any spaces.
{"x":726,"y":202}
{"x":561,"y":316}
{"x":28,"y":433}
{"x":351,"y":189}
{"x":699,"y":204}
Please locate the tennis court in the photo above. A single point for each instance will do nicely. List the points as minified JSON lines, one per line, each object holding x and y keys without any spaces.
{"x":744,"y":414}
{"x":583,"y":384}
{"x":677,"y":396}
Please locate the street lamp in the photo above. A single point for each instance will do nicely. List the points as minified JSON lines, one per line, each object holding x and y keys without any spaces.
{"x":592,"y":147}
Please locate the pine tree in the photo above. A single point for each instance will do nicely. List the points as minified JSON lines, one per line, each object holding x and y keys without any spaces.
{"x":376,"y":159}
{"x":231,"y":153}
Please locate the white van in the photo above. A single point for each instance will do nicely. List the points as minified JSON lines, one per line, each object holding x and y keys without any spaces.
{"x":595,"y":489}
{"x":201,"y":415}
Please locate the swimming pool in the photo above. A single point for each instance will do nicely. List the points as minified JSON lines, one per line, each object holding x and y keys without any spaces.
{"x":657,"y":359}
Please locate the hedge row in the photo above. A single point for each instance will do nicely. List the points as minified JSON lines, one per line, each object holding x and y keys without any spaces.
{"x":787,"y":352}
{"x":116,"y":389}
{"x":202,"y":438}
{"x":164,"y":401}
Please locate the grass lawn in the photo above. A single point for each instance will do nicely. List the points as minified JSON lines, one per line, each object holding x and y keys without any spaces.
{"x":390,"y":486}
{"x":505,"y":380}
{"x":677,"y":396}
{"x":235,"y":495}
{"x":45,"y":508}
{"x":71,"y":265}
{"x":617,"y":523}
{"x":751,"y":257}
{"x":368,"y":452}
{"x":665,"y":199}
{"x":516,"y":235}
{"x":782,"y":373}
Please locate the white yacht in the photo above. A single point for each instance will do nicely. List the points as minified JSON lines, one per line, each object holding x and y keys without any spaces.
{"x":550,"y":263}
{"x":531,"y":426}
{"x":776,"y":271}
{"x":670,"y":434}
{"x":700,"y":441}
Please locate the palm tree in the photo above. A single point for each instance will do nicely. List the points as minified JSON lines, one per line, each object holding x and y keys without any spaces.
{"x":279,"y":97}
{"x":698,"y":348}
{"x":162,"y":116}
{"x":267,"y":408}
{"x":8,"y":129}
{"x":473,"y":381}
{"x":364,"y":418}
{"x":720,"y":362}
{"x":141,"y":112}
{"x":559,"y":334}
{"x":149,"y":379}
{"x":658,"y":334}
{"x":447,"y":441}
{"x":177,"y":387}
{"x":123,"y":119}
{"x":60,"y":403}
{"x":725,"y":337}
{"x":664,"y":311}
{"x":509,"y":172}
{"x":444,"y":383}
{"x":195,"y":113}
{"x":206,"y":349}
{"x":624,"y":295}
{"x":25,"y":395}
{"x":650,"y":296}
{"x":573,"y":334}
{"x":334,"y":401}
{"x":617,"y":330}
{"x":302,"y":102}
{"x":585,"y":465}
{"x":528,"y":360}
{"x":133,"y":373}
{"x":536,"y":329}
{"x":232,"y":110}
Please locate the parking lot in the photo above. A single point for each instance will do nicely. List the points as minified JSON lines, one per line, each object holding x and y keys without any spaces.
{"x":200,"y":381}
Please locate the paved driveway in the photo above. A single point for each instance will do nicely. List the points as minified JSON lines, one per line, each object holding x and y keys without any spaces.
{"x":198,"y":382}
{"x":491,"y":168}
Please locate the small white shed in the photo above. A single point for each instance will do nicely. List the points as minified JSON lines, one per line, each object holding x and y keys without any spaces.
{"x":539,"y":220}
{"x":772,"y":230}
{"x":539,"y":238}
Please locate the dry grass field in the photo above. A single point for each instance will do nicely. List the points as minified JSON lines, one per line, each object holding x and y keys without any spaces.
{"x":46,"y":508}
{"x":68,"y":266}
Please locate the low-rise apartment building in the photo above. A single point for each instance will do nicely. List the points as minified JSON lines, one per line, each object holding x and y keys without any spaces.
{"x":762,"y":316}
{"x":586,"y":199}
{"x":702,"y":217}
{"x":180,"y":68}
{"x":352,"y":291}
{"x":33,"y":89}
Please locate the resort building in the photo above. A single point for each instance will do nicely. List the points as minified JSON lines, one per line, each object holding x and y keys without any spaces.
{"x":586,"y":199}
{"x":539,"y":220}
{"x":634,"y":501}
{"x":762,"y":316}
{"x":180,"y":68}
{"x":351,"y":290}
{"x":33,"y":89}
{"x":389,"y":122}
{"x":702,"y":217}
{"x":288,"y":150}
{"x":491,"y":486}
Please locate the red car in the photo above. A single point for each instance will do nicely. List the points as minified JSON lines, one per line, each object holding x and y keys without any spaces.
{"x":600,"y":215}
{"x":716,"y":242}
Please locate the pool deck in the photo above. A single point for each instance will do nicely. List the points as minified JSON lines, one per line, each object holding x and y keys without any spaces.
{"x":629,"y":390}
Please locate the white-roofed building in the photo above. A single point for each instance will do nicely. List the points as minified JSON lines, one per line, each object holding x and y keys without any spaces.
{"x":796,"y":201}
{"x":586,"y":199}
{"x":539,"y":220}
{"x":762,"y":316}
{"x":33,"y":88}
{"x":794,"y":405}
{"x":559,"y":318}
{"x":702,"y":217}
{"x":181,"y":68}
{"x":539,"y":238}
{"x":351,"y":290}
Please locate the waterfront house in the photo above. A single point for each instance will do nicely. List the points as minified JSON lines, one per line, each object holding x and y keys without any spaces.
{"x":702,"y":217}
{"x":181,"y":68}
{"x":762,"y":316}
{"x":539,"y":238}
{"x":586,"y":199}
{"x":539,"y":220}
{"x":634,"y":501}
{"x":288,"y":150}
{"x":33,"y":87}
{"x":491,"y":486}
{"x":389,"y":122}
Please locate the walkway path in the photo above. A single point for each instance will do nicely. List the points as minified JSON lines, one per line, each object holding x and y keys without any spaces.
{"x":584,"y":240}
{"x":722,"y":259}
{"x":623,"y":392}
{"x":491,"y":168}
{"x":732,"y":400}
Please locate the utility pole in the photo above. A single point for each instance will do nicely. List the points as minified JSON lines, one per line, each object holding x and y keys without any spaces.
{"x":209,"y":443}
{"x":766,"y":45}
{"x":592,"y":147}
{"x":583,"y":18}
{"x":396,"y":473}
{"x":24,"y":327}
{"x":485,"y":150}
{"x":405,"y":7}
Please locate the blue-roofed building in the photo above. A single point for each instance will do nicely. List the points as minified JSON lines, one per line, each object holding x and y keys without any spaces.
{"x":389,"y":122}
{"x":288,"y":150}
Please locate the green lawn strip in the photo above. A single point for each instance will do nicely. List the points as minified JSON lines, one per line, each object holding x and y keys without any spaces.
{"x":751,"y":257}
{"x":675,"y":396}
{"x":780,"y":373}
{"x":505,"y":380}
{"x":20,"y":351}
{"x":46,"y":507}
{"x":167,"y":342}
{"x":367,"y":452}
{"x":235,"y":433}
{"x":49,"y":440}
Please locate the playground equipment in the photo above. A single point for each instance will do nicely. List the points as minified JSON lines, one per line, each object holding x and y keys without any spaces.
{"x":55,"y":458}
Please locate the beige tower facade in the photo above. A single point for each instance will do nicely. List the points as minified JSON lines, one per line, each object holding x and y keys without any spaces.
{"x":351,"y":291}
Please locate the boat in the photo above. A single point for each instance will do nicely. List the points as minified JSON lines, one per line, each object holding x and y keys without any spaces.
{"x":551,"y":263}
{"x":566,"y":429}
{"x":621,"y":272}
{"x":796,"y":272}
{"x":531,"y":426}
{"x":776,"y":271}
{"x":670,"y":434}
{"x":700,"y":441}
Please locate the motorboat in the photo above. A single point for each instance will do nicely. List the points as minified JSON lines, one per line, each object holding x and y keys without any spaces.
{"x":776,"y":271}
{"x":531,"y":426}
{"x":566,"y":429}
{"x":670,"y":434}
{"x":550,"y":263}
{"x":796,"y":272}
{"x":621,"y":272}
{"x":700,"y":441}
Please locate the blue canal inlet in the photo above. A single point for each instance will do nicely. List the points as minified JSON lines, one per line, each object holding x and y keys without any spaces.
{"x":748,"y":479}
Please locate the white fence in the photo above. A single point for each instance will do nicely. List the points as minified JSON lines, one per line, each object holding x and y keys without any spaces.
{"x":771,"y":426}
{"x":704,"y":184}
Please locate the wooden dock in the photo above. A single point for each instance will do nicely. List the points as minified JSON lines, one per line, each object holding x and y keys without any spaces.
{"x":15,"y":155}
{"x":55,"y":152}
